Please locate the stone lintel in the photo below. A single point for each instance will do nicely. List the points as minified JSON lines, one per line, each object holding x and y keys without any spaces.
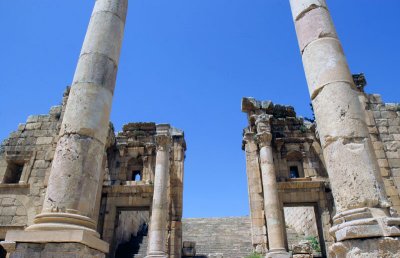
{"x":61,"y":236}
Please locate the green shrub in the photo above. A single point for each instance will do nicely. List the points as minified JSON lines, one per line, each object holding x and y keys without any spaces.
{"x":254,"y":255}
{"x":314,"y":243}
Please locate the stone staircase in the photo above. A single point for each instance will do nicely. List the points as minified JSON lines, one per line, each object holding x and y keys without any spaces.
{"x":228,"y":236}
{"x":135,"y":248}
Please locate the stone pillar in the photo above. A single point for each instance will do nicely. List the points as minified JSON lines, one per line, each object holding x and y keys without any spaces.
{"x":159,"y":212}
{"x":77,"y":165}
{"x":272,"y":206}
{"x":176,"y":193}
{"x":255,"y":190}
{"x":76,"y":173}
{"x":361,"y":204}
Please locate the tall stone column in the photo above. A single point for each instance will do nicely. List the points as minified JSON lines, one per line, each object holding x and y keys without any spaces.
{"x":159,"y":212}
{"x":360,"y":200}
{"x":77,"y":166}
{"x":257,"y":214}
{"x":272,"y":206}
{"x":69,"y":208}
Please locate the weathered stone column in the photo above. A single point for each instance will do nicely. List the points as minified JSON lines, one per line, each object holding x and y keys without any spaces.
{"x":159,"y":212}
{"x":69,"y":208}
{"x":176,"y":193}
{"x":361,"y":204}
{"x":77,"y":166}
{"x":257,"y":215}
{"x":272,"y":207}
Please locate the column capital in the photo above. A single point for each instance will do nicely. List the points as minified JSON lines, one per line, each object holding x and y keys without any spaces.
{"x":263,"y":123}
{"x":264,"y":139}
{"x":163,"y":142}
{"x":248,"y":137}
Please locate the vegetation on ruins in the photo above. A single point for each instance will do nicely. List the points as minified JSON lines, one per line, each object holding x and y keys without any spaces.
{"x":254,"y":255}
{"x":314,"y":243}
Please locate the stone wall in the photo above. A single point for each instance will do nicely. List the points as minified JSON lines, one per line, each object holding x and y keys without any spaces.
{"x":384,"y":126}
{"x":25,"y":162}
{"x":301,"y":219}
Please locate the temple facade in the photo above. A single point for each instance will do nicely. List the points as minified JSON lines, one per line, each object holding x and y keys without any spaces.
{"x":298,"y":167}
{"x":125,"y":210}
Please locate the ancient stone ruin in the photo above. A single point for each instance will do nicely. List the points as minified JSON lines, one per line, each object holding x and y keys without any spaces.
{"x":72,"y":187}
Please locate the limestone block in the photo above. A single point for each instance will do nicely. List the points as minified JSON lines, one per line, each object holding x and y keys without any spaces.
{"x":376,"y":247}
{"x":354,"y":183}
{"x":394,"y":163}
{"x":300,"y":7}
{"x":33,"y":126}
{"x":44,"y":140}
{"x":315,"y":24}
{"x":325,"y":63}
{"x":74,"y":180}
{"x":88,"y":112}
{"x":55,"y":250}
{"x":339,"y":114}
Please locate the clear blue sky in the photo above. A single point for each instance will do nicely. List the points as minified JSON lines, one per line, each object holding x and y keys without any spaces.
{"x":189,"y":63}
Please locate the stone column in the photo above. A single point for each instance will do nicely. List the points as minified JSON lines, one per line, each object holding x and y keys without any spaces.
{"x":361,"y":204}
{"x":69,"y":208}
{"x":77,"y":166}
{"x":257,"y":214}
{"x":272,"y":206}
{"x":159,"y":211}
{"x":176,"y":193}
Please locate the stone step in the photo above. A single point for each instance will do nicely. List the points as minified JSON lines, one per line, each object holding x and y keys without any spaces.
{"x":228,"y":236}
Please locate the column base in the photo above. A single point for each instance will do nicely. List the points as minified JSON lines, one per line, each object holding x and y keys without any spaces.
{"x":157,"y":255}
{"x":374,"y":247}
{"x":65,"y":250}
{"x":365,"y":223}
{"x":277,"y":254}
{"x":82,"y":237}
{"x":56,"y":221}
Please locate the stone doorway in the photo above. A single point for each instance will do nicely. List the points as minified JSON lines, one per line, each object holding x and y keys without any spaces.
{"x":130,"y":235}
{"x":304,"y":230}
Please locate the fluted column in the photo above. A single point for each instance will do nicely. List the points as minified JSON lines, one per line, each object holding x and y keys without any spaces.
{"x":76,"y":171}
{"x":159,"y":212}
{"x":272,"y":207}
{"x":360,"y":199}
{"x":255,"y":190}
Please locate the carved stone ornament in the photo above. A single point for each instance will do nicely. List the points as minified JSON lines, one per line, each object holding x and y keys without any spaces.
{"x":263,"y":123}
{"x":163,"y":142}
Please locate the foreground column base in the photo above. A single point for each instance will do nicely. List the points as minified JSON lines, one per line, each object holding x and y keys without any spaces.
{"x":157,"y":255}
{"x":278,"y":254}
{"x":365,"y":223}
{"x":51,"y":239}
{"x":374,"y":247}
{"x":65,"y":250}
{"x":55,"y":221}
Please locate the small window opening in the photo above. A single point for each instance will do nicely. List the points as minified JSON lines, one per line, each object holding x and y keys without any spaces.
{"x":13,"y":173}
{"x":294,"y":172}
{"x":136,"y":176}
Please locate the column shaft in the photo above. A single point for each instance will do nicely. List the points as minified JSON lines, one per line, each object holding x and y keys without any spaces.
{"x":255,"y":190}
{"x":70,"y":201}
{"x":273,"y":213}
{"x":158,"y":223}
{"x":360,"y":200}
